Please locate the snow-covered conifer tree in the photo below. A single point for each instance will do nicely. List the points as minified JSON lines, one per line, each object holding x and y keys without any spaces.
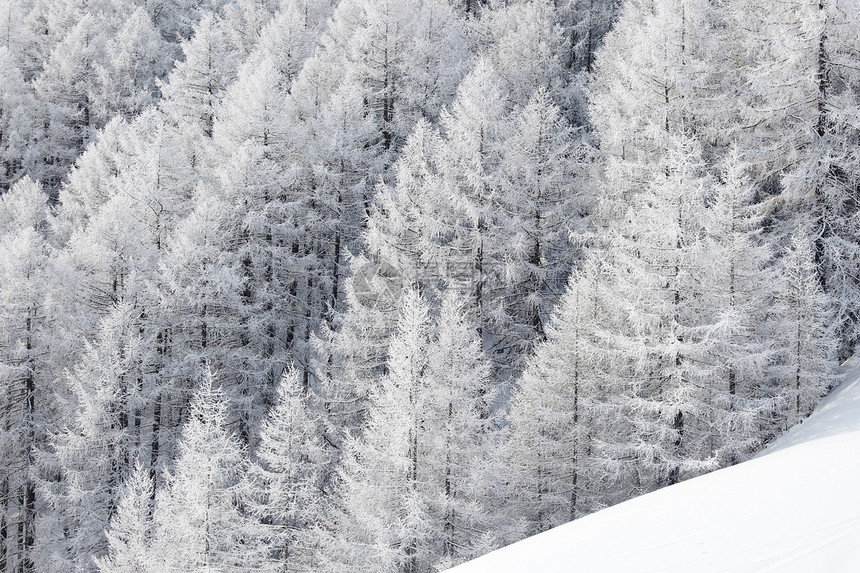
{"x":563,"y":419}
{"x":201,"y":520}
{"x":19,"y":125}
{"x":805,"y":336}
{"x":26,"y":365}
{"x":413,"y":489}
{"x":385,"y":523}
{"x":474,"y":129}
{"x":738,"y":289}
{"x":196,"y":85}
{"x":68,"y":86}
{"x":135,"y":60}
{"x":287,"y":478}
{"x":202,"y":310}
{"x":526,"y":47}
{"x":800,"y":97}
{"x":130,"y":533}
{"x":95,"y":453}
{"x":542,"y":203}
{"x":463,"y":429}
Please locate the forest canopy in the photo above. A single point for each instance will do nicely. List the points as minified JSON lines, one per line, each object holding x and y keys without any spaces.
{"x":382,"y":285}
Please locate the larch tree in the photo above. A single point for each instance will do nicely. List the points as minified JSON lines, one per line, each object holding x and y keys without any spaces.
{"x":585,"y":22}
{"x":201,"y":521}
{"x":806,"y":336}
{"x":25,"y":368}
{"x":474,"y":129}
{"x":464,"y":437}
{"x":544,"y":199}
{"x":400,"y":251}
{"x":95,"y":453}
{"x":202,"y":310}
{"x":800,"y":99}
{"x":135,"y":60}
{"x":738,"y":290}
{"x":68,"y":86}
{"x":130,"y":533}
{"x":19,"y":125}
{"x":563,"y":419}
{"x":654,"y":261}
{"x":287,"y":478}
{"x":527,"y":46}
{"x":289,"y":38}
{"x":384,"y":522}
{"x":268,"y":226}
{"x":413,"y":496}
{"x":652,"y":118}
{"x":245,"y":20}
{"x":196,"y":85}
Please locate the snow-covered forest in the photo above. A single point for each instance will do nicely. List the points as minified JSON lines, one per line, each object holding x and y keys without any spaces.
{"x":383,"y":285}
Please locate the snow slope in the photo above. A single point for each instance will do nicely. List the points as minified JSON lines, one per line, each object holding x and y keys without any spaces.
{"x":793,"y":508}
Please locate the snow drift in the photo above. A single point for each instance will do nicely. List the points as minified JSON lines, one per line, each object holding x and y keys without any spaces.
{"x":795,"y":507}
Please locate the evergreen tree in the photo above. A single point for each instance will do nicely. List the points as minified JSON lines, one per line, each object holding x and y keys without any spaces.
{"x":130,"y":534}
{"x":805,"y":336}
{"x":25,"y":366}
{"x":200,"y":517}
{"x":94,"y":454}
{"x":563,"y":420}
{"x":287,"y":480}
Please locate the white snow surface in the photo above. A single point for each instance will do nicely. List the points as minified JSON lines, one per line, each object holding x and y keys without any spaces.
{"x":793,"y":508}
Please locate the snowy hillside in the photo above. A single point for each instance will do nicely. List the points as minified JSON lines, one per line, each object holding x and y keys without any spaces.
{"x":796,"y":507}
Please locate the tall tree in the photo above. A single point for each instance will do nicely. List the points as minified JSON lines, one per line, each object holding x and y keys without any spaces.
{"x":527,"y":46}
{"x":25,"y":366}
{"x":68,"y":85}
{"x":563,"y":419}
{"x":385,"y":520}
{"x":806,"y":335}
{"x":130,"y":534}
{"x":287,"y":478}
{"x":135,"y":60}
{"x":464,"y":434}
{"x":739,"y":288}
{"x":412,"y":494}
{"x":544,"y":199}
{"x":200,"y":519}
{"x":19,"y":125}
{"x":96,"y":452}
{"x":798,"y":97}
{"x":197,"y":83}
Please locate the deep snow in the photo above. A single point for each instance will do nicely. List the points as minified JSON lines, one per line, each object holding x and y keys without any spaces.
{"x":793,"y":508}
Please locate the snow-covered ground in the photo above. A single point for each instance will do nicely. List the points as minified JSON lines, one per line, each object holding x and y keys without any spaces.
{"x":794,"y":508}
